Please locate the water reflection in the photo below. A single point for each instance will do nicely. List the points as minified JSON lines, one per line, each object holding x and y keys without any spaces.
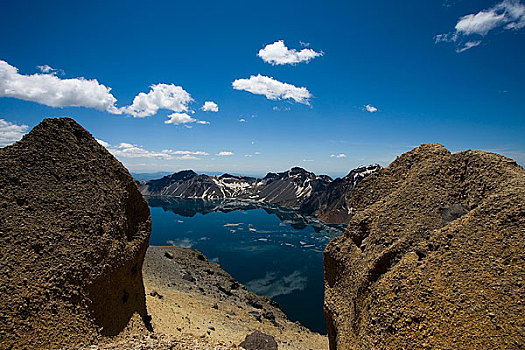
{"x":189,"y":207}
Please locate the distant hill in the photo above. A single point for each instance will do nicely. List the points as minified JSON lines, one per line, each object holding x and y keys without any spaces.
{"x":149,"y":176}
{"x":297,"y":188}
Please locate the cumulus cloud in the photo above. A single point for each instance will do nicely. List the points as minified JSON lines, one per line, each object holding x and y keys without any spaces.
{"x":49,"y":90}
{"x":278,"y":54}
{"x":183,"y":118}
{"x":340,"y":155}
{"x":11,"y":132}
{"x":225,"y":154}
{"x":370,"y":108}
{"x":128,"y":150}
{"x":272,"y":89}
{"x":508,"y":14}
{"x":160,"y":96}
{"x":210,"y":106}
{"x":272,"y":286}
{"x":179,"y":118}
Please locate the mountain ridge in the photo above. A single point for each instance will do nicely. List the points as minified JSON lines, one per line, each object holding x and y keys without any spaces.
{"x":297,"y":188}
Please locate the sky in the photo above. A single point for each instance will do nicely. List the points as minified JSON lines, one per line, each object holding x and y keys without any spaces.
{"x":252,"y":87}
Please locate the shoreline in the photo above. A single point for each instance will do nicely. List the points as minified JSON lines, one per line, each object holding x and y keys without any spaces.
{"x":188,"y":295}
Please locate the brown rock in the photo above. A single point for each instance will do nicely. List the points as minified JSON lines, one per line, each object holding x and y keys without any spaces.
{"x":73,"y":233}
{"x":434,"y":256}
{"x":259,"y":341}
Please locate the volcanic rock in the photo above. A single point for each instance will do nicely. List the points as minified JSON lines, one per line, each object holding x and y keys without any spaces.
{"x":73,"y":233}
{"x":433,"y":257}
{"x":259,"y":341}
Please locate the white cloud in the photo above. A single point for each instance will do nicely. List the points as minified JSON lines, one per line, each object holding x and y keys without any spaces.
{"x":45,"y":68}
{"x":308,"y":160}
{"x":242,"y":120}
{"x":370,"y":108}
{"x":183,"y":118}
{"x":508,"y":14}
{"x":480,"y":23}
{"x":179,"y":118}
{"x":272,"y":89}
{"x":10,"y":132}
{"x":248,"y":155}
{"x":210,"y":106}
{"x":160,"y":96}
{"x":103,"y":143}
{"x":468,"y":45}
{"x":257,"y":153}
{"x":304,"y":44}
{"x":225,"y":154}
{"x":340,"y":155}
{"x":278,"y":54}
{"x":195,"y":153}
{"x":128,"y":150}
{"x":49,"y":90}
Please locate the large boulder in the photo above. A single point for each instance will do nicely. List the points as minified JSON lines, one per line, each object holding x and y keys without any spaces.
{"x":259,"y":341}
{"x":73,"y":233}
{"x":433,"y":257}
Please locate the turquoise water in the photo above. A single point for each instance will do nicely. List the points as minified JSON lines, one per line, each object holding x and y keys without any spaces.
{"x":272,"y":251}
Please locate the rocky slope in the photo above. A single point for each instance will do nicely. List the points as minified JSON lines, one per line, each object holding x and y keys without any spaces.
{"x":331,"y":205}
{"x":73,"y":233}
{"x":297,"y":188}
{"x":188,"y":295}
{"x":433,"y":257}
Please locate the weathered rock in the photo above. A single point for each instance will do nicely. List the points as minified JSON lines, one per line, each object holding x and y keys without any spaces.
{"x":259,"y":341}
{"x":434,"y":256}
{"x":73,"y":233}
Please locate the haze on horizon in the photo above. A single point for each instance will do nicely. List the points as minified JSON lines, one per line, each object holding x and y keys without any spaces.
{"x":252,"y":88}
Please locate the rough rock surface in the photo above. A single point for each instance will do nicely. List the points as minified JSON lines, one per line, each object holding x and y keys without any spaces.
{"x":259,"y":341}
{"x":73,"y":233}
{"x":434,"y":256}
{"x":159,"y":342}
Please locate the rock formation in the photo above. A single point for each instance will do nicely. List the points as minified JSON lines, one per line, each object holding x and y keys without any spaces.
{"x":433,"y":257}
{"x":259,"y":341}
{"x":73,"y":233}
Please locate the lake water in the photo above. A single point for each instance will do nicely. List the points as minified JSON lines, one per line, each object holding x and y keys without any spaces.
{"x":271,"y":250}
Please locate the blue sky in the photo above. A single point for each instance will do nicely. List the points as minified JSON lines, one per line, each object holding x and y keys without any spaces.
{"x":446,"y":71}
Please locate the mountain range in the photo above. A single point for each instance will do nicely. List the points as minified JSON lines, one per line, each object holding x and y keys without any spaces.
{"x":296,"y":188}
